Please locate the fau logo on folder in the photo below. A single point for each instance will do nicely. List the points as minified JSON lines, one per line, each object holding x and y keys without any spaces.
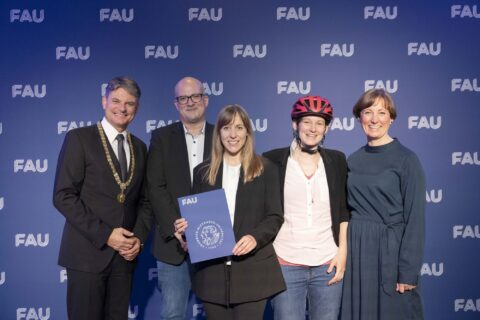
{"x":209,"y":233}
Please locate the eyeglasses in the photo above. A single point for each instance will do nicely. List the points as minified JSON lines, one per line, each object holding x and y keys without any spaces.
{"x":196,"y":97}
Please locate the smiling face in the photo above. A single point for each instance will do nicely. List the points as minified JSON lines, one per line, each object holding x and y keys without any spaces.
{"x":311,"y":130}
{"x":233,"y":136}
{"x":376,"y":121}
{"x":120,"y":108}
{"x":190,"y":101}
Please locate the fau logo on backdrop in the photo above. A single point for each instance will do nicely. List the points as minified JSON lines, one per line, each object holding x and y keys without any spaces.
{"x":2,"y":203}
{"x":29,"y":239}
{"x":249,"y":51}
{"x":465,"y":11}
{"x":204,"y":14}
{"x":29,"y":165}
{"x":434,"y":196}
{"x":391,"y":86}
{"x":155,"y":124}
{"x":157,"y":52}
{"x":63,"y":275}
{"x":103,"y":88}
{"x":378,"y":12}
{"x":465,"y":158}
{"x":213,"y":88}
{"x":291,"y":13}
{"x":65,"y":126}
{"x":78,"y":53}
{"x":2,"y":278}
{"x":1,"y":128}
{"x":25,"y":15}
{"x":116,"y":15}
{"x":424,"y":49}
{"x":424,"y":122}
{"x":467,"y":305}
{"x":152,"y":274}
{"x":198,"y":310}
{"x":289,"y":87}
{"x":432,"y":269}
{"x":466,"y":231}
{"x":259,"y":125}
{"x":344,"y":123}
{"x":132,"y":312}
{"x":29,"y":91}
{"x":337,"y":49}
{"x":465,"y":85}
{"x":33,"y":313}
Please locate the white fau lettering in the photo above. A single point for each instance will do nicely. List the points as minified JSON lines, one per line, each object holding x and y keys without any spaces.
{"x":152,"y":274}
{"x":30,"y":91}
{"x":132,"y":312}
{"x":29,"y":239}
{"x":65,"y":126}
{"x":63,"y":275}
{"x":204,"y":14}
{"x":2,"y":202}
{"x":344,"y":123}
{"x":197,"y":310}
{"x":154,"y":124}
{"x":259,"y":125}
{"x":189,"y":201}
{"x":291,"y":13}
{"x":2,"y":277}
{"x":24,"y":15}
{"x":423,"y":48}
{"x":116,"y":15}
{"x":466,"y":231}
{"x":434,"y":196}
{"x":465,"y":11}
{"x":467,"y":305}
{"x":103,"y":89}
{"x":33,"y":313}
{"x":249,"y":50}
{"x":432,"y":269}
{"x":1,"y":127}
{"x":391,"y":86}
{"x":377,"y":12}
{"x":29,"y":165}
{"x":290,"y":87}
{"x":156,"y":52}
{"x":465,"y":85}
{"x":465,"y":158}
{"x":213,"y":88}
{"x":67,"y":53}
{"x":337,"y":49}
{"x":424,"y":122}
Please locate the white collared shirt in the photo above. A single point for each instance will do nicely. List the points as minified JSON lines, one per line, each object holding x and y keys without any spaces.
{"x":195,"y":146}
{"x":111,"y":133}
{"x":306,"y":237}
{"x":230,"y":177}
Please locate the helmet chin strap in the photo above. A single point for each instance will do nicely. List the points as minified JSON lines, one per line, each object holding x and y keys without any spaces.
{"x":303,"y":147}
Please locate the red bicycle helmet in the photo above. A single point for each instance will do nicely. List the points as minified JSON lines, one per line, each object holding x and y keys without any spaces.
{"x":312,"y":106}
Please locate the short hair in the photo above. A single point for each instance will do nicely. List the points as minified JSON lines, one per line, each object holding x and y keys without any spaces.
{"x":126,"y":83}
{"x":369,"y":98}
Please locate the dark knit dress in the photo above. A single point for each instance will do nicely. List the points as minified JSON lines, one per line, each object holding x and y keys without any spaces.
{"x":386,"y":195}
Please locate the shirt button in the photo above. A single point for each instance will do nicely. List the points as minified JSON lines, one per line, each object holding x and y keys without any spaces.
{"x":194,"y":141}
{"x":194,"y":155}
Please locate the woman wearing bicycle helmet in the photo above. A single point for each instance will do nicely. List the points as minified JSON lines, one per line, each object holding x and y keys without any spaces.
{"x":386,"y":194}
{"x":311,"y":245}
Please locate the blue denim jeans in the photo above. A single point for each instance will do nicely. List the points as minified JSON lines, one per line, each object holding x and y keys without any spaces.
{"x":174,"y":284}
{"x":307,"y":283}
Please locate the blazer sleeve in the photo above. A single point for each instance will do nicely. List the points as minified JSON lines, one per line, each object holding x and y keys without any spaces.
{"x":163,"y":207}
{"x":69,"y":179}
{"x":144,"y":221}
{"x":342,"y":191}
{"x":268,"y":228}
{"x":411,"y":248}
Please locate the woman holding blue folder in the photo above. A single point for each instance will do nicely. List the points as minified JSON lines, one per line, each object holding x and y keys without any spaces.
{"x":237,"y":287}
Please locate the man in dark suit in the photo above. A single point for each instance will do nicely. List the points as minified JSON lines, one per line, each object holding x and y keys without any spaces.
{"x":98,"y":188}
{"x":174,"y":151}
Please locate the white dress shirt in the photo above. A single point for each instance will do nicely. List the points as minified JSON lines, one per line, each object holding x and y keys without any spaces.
{"x":195,"y":146}
{"x":111,"y":133}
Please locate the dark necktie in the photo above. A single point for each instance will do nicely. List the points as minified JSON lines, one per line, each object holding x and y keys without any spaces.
{"x":122,"y":157}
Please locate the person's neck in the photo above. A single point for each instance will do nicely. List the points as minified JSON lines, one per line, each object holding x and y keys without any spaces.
{"x":194,"y":128}
{"x":232,"y":160}
{"x":380,"y":142}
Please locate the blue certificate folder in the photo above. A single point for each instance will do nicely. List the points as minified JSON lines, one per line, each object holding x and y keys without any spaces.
{"x":209,"y":233}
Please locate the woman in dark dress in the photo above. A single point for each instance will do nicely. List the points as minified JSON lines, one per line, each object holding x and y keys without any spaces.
{"x":237,"y":287}
{"x":386,"y":195}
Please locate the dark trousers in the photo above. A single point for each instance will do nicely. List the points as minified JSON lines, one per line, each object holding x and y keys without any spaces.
{"x":100,"y":296}
{"x":241,"y":311}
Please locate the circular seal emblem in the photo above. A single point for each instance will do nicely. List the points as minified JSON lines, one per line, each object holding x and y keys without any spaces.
{"x":209,"y":234}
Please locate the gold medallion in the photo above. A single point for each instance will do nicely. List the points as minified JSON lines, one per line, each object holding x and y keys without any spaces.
{"x":121,"y":197}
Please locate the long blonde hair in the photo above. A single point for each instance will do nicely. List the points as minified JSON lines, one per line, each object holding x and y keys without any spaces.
{"x":251,"y":163}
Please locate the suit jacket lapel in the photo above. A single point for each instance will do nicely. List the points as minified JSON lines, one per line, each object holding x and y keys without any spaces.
{"x":330,"y":172}
{"x":180,"y":149}
{"x":241,"y":196}
{"x":207,"y":149}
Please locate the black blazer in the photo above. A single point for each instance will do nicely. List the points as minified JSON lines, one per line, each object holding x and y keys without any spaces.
{"x":168,"y":177}
{"x":85,"y":193}
{"x":336,"y":170}
{"x":258,"y":212}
